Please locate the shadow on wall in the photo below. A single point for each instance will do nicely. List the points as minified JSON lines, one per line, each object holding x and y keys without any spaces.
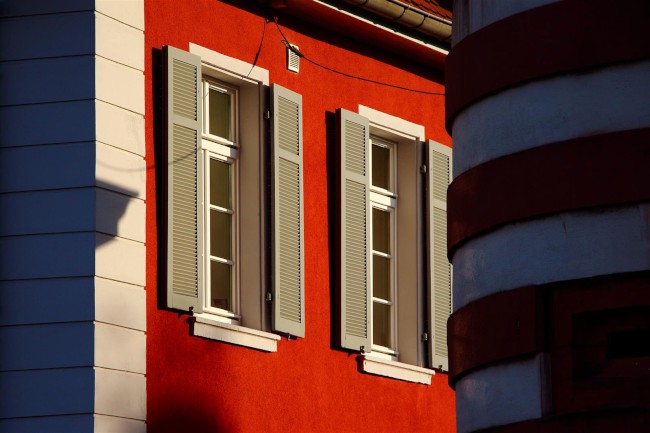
{"x":172,"y":418}
{"x":333,"y":212}
{"x":112,"y":209}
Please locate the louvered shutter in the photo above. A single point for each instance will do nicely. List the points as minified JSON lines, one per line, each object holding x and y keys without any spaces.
{"x":183,"y":130}
{"x":288,"y":244}
{"x":439,"y":267}
{"x":355,"y":296}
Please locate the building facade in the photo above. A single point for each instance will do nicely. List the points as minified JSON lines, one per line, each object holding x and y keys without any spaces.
{"x":226,"y":216}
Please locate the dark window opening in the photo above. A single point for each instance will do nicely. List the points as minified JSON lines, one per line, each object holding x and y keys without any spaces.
{"x":628,"y":344}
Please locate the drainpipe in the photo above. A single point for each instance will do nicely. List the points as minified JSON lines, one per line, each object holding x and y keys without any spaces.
{"x":408,"y":16}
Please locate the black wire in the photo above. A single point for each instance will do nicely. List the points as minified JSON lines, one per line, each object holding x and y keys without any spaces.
{"x":345,"y":74}
{"x":259,"y":49}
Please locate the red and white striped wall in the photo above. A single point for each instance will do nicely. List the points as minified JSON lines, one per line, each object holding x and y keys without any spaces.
{"x":549,"y":215}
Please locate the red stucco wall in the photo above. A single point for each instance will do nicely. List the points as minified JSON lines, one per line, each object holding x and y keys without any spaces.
{"x":203,"y":385}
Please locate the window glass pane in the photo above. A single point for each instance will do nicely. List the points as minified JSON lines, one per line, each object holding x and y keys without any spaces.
{"x":381,"y":230}
{"x":381,"y":167}
{"x":220,"y":234}
{"x":381,"y":324}
{"x":220,"y":184}
{"x":381,"y":277}
{"x":220,"y":114}
{"x":220,"y":285}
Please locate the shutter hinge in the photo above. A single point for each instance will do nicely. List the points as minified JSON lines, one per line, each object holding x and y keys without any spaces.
{"x":267,"y":114}
{"x":423,"y":168}
{"x":425,"y":336}
{"x":269,"y":297}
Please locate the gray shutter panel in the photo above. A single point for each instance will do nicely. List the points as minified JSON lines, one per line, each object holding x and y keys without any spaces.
{"x":355,"y":296}
{"x":439,"y":267}
{"x":184,"y":219}
{"x":288,"y":243}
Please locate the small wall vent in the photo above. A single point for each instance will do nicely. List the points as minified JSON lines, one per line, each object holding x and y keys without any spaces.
{"x":293,"y":60}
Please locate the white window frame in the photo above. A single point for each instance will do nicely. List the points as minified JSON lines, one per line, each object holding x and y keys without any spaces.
{"x":385,"y":200}
{"x":217,"y":324}
{"x":230,"y":316}
{"x":405,"y":363}
{"x":208,"y":83}
{"x":220,"y":148}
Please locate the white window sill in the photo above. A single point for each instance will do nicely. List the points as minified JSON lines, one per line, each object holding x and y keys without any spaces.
{"x":213,"y":329}
{"x":393,"y":369}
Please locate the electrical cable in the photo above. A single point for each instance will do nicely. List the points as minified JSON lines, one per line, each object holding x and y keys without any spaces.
{"x":259,"y":49}
{"x":345,"y":74}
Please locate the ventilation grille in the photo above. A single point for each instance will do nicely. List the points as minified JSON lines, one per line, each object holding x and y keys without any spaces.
{"x":184,"y":89}
{"x":289,"y":242}
{"x":355,"y":148}
{"x":183,"y":212}
{"x":289,"y":125}
{"x":441,"y":281}
{"x":356,"y":267}
{"x":293,"y":59}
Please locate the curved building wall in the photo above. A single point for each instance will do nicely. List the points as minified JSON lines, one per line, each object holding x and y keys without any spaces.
{"x":549,"y":229}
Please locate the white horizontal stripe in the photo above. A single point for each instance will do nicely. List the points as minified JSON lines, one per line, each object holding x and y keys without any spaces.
{"x":561,"y":247}
{"x":541,"y":112}
{"x":501,"y":394}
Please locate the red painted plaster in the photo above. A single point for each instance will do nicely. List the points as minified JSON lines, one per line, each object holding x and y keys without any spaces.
{"x":203,"y":385}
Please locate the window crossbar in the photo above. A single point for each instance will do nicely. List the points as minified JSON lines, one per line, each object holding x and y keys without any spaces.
{"x":221,"y":260}
{"x":222,"y":209}
{"x":382,"y":301}
{"x":380,"y":254}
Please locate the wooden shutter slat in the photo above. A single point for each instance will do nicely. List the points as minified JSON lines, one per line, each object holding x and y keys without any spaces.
{"x":440,"y":272}
{"x":288,"y":241}
{"x":355,"y":210}
{"x":183,"y":131}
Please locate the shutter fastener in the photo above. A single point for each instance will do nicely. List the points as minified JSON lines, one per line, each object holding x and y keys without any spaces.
{"x":267,"y":114}
{"x":269,"y":297}
{"x":423,"y":168}
{"x":425,"y":336}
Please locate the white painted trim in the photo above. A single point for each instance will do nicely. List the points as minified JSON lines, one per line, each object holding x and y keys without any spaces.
{"x":120,"y":259}
{"x":119,"y":42}
{"x":129,"y":12}
{"x":111,"y":424}
{"x":243,"y":69}
{"x":208,"y":327}
{"x":129,"y":136}
{"x":561,"y":247}
{"x":120,"y":394}
{"x":131,"y":355}
{"x":395,"y":370}
{"x":120,"y":171}
{"x":500,"y":394}
{"x":120,"y":304}
{"x":119,"y":85}
{"x":608,"y":99}
{"x":120,"y":215}
{"x":402,"y":128}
